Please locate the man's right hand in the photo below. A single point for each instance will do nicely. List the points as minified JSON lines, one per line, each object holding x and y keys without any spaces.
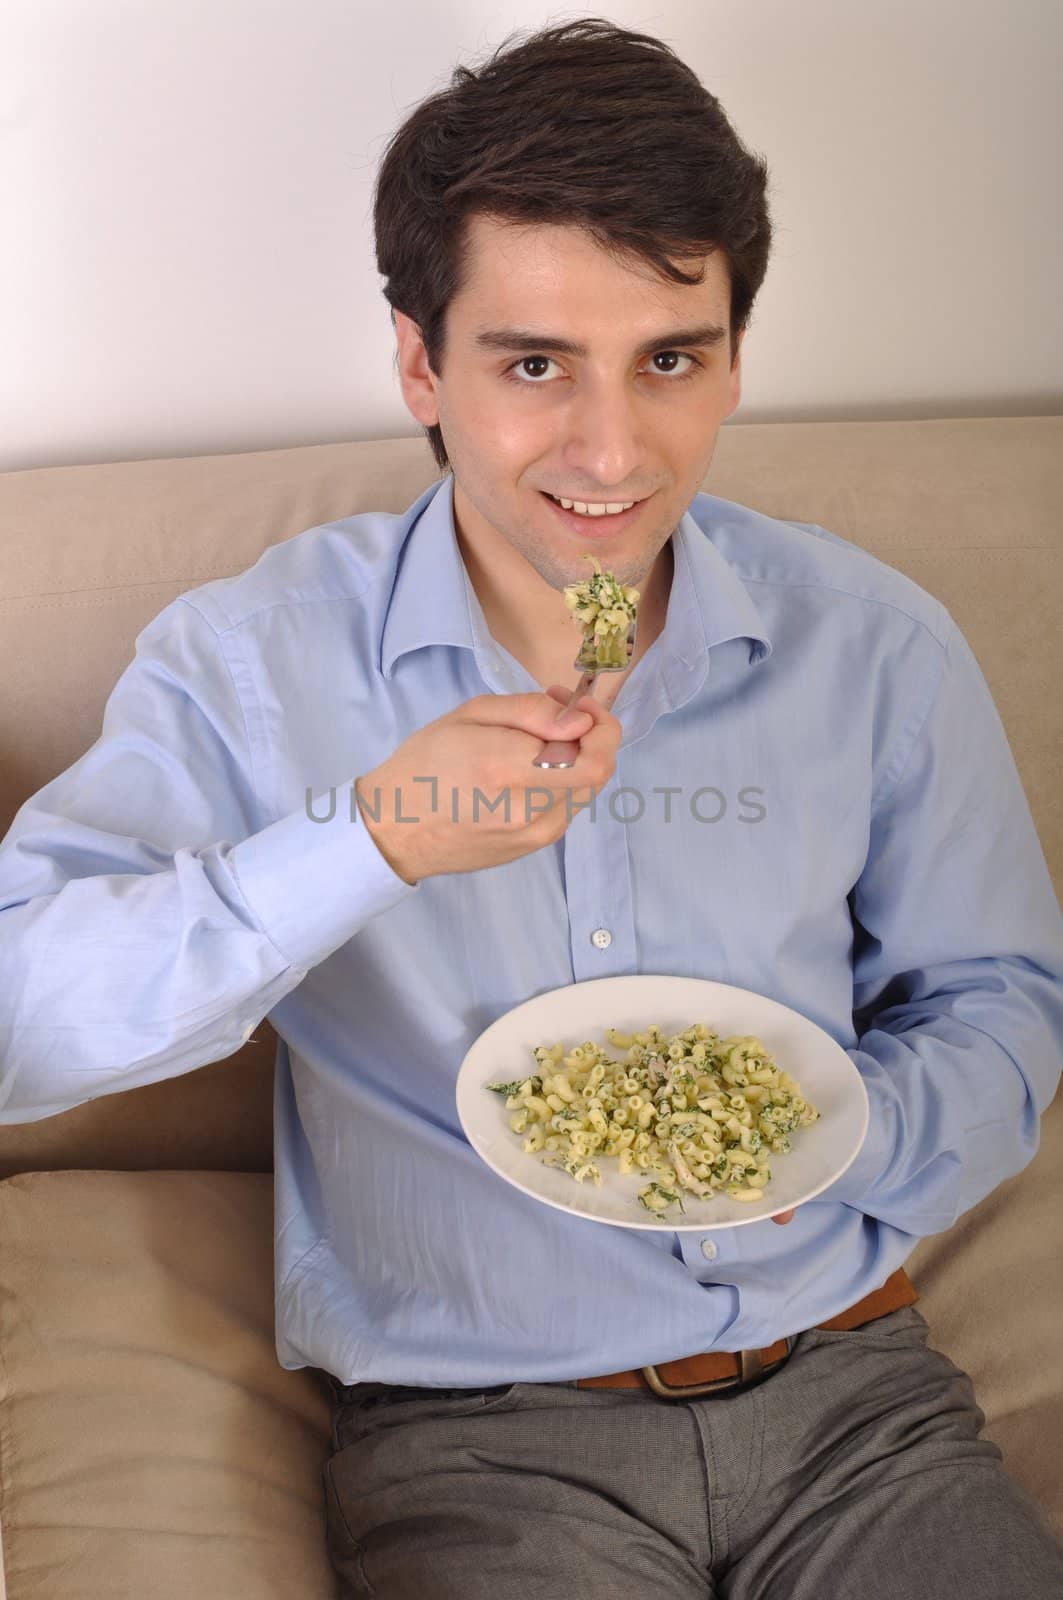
{"x":486,"y":744}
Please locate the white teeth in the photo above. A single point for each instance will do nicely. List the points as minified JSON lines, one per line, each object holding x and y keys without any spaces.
{"x":585,"y":510}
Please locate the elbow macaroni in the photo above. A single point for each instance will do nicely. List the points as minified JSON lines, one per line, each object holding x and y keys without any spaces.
{"x":701,"y":1113}
{"x":605,"y":609}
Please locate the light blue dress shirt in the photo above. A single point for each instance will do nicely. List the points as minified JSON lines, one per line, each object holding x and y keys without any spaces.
{"x":847,"y":834}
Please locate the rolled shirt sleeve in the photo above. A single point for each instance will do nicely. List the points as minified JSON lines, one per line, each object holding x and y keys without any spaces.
{"x":957,"y":969}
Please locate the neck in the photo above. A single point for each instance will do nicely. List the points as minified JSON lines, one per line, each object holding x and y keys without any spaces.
{"x":529,"y":618}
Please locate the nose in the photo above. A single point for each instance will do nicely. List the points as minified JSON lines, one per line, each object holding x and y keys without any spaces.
{"x":603,"y":442}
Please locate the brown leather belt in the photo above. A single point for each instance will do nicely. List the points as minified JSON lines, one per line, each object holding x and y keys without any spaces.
{"x":719,"y":1370}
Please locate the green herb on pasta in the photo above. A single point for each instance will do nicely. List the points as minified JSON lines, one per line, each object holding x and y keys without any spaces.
{"x":701,"y":1112}
{"x":605,"y":610}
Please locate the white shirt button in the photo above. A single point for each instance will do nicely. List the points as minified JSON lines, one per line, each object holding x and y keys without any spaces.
{"x":601,"y":938}
{"x":708,"y":1250}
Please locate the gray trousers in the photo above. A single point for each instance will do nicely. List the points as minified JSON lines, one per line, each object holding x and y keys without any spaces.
{"x":854,"y":1470}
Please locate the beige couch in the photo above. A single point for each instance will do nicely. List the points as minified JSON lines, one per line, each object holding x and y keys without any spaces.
{"x":151,"y":1447}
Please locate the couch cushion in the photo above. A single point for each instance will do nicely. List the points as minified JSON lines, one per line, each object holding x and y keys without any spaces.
{"x":150,"y":1444}
{"x":992,"y":1291}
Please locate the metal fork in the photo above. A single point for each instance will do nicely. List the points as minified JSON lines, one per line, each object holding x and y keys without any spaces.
{"x":563,"y":752}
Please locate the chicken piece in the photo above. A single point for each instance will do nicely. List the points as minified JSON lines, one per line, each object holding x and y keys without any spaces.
{"x":684,"y":1174}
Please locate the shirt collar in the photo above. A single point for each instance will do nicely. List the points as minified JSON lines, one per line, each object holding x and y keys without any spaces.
{"x":433,"y":601}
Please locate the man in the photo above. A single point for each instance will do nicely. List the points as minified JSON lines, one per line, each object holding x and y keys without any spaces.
{"x":497,"y":1428}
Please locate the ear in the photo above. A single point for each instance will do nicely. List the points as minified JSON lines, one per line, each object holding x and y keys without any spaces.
{"x":417,"y":382}
{"x":734,"y":390}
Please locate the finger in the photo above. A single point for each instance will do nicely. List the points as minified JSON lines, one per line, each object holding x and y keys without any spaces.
{"x":596,"y":738}
{"x":559,"y":694}
{"x":784,"y":1216}
{"x":603,"y":717}
{"x":536,"y":714}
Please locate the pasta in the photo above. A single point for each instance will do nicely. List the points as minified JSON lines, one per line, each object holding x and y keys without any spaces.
{"x":605,"y":609}
{"x":702,"y":1113}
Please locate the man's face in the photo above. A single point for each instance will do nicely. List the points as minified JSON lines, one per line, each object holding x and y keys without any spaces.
{"x":605,"y":427}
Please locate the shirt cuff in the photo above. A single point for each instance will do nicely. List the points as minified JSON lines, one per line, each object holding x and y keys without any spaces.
{"x":311,"y":885}
{"x":872,"y":1160}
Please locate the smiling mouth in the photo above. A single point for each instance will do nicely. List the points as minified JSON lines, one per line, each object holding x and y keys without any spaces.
{"x":627,"y":505}
{"x":575,"y":500}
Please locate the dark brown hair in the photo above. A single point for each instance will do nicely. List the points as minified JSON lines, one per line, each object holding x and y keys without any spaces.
{"x":585,"y":124}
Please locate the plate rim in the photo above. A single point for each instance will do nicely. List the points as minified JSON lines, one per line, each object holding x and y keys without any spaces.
{"x":462,"y":1085}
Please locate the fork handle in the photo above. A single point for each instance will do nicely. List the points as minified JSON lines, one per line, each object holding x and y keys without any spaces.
{"x":563,"y":752}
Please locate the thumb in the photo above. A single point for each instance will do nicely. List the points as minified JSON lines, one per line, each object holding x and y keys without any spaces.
{"x":586,"y":702}
{"x":560,"y":696}
{"x":532,"y":713}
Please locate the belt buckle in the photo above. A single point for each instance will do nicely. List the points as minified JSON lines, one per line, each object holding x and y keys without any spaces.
{"x":751,"y":1372}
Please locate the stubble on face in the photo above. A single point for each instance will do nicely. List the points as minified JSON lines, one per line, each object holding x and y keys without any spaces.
{"x":520,"y":529}
{"x":502,"y":454}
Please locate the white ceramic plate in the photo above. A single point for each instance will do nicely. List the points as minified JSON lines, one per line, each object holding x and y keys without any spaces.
{"x":827,"y":1078}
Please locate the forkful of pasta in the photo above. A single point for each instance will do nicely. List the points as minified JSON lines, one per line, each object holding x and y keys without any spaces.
{"x":606,"y":611}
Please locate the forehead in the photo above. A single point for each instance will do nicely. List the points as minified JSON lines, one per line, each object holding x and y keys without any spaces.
{"x":515,"y":269}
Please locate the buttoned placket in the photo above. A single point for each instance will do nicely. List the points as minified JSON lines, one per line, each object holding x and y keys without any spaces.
{"x":597,"y":879}
{"x":598,"y":893}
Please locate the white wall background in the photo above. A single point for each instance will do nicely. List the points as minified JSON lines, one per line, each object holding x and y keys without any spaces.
{"x":186,"y":260}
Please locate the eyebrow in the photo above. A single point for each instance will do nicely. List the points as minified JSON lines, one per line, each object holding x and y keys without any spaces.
{"x":531,"y":343}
